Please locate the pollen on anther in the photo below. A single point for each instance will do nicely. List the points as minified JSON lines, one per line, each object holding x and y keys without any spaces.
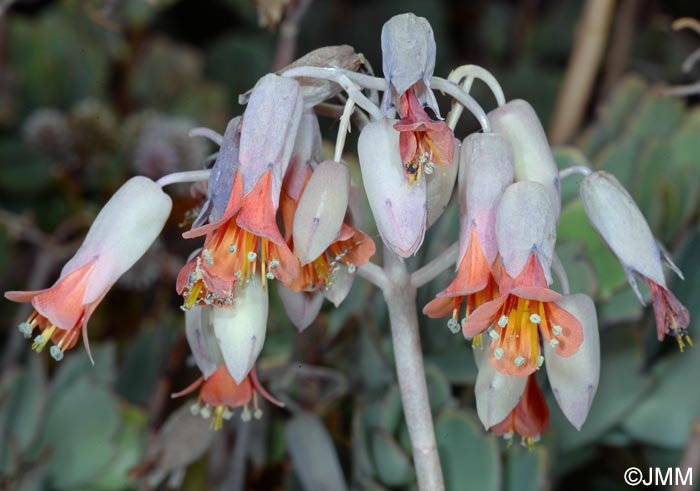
{"x":227,"y":414}
{"x":252,"y":256}
{"x":453,"y":326}
{"x":540,"y":361}
{"x":498,"y":353}
{"x":557,"y":330}
{"x":269,"y":276}
{"x":245,"y":415}
{"x":205,"y":412}
{"x":519,"y":361}
{"x":257,"y":414}
{"x":56,"y":353}
{"x":26,"y":329}
{"x":535,"y":319}
{"x":232,"y":248}
{"x":503,"y":321}
{"x":493,"y":334}
{"x":194,"y":409}
{"x":274,"y":263}
{"x":352,"y":268}
{"x":554,"y":343}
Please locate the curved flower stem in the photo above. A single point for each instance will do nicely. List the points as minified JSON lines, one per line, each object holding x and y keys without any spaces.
{"x":347,"y":80}
{"x":186,"y":176}
{"x":472,"y":72}
{"x":451,"y":88}
{"x":431,"y":270}
{"x":400,"y":298}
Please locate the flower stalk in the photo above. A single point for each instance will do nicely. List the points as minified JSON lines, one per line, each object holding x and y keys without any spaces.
{"x":400,"y":297}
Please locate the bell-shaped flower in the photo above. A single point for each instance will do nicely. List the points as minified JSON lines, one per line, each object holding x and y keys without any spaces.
{"x":121,"y":233}
{"x":525,"y":234}
{"x":408,"y":59}
{"x":529,"y":418}
{"x":246,"y":240}
{"x":399,"y":211}
{"x":620,"y":223}
{"x":507,"y":404}
{"x":321,"y":237}
{"x":533,"y":158}
{"x":486,"y":171}
{"x":240,"y":329}
{"x":424,"y":143}
{"x":220,"y":395}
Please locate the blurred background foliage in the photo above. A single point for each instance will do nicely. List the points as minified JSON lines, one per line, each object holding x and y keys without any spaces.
{"x":94,"y":91}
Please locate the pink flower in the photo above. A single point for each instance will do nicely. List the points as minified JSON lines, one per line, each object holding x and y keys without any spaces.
{"x":121,"y":233}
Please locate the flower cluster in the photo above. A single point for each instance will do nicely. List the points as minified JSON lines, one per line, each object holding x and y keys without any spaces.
{"x":277,"y":211}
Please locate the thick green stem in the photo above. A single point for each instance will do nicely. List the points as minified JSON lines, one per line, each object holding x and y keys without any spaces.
{"x":400,"y":298}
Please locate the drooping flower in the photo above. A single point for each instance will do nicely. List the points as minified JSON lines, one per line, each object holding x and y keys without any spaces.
{"x":246,"y":240}
{"x":525,"y":233}
{"x":122,"y":232}
{"x":221,"y":395}
{"x":529,"y":418}
{"x":399,"y":211}
{"x":408,"y":59}
{"x":486,"y":171}
{"x":509,"y":404}
{"x":423,"y":142}
{"x":620,"y":223}
{"x":225,"y":343}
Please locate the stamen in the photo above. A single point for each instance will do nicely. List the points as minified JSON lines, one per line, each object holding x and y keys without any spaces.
{"x":194,"y":409}
{"x":227,"y":414}
{"x":498,"y":353}
{"x":205,"y":412}
{"x":503,"y":321}
{"x":453,"y":326}
{"x":245,"y":415}
{"x":554,"y":343}
{"x":493,"y":334}
{"x":540,"y":361}
{"x":252,"y":256}
{"x":535,"y":319}
{"x":274,"y":263}
{"x":43,"y":338}
{"x":206,"y":254}
{"x":519,"y":361}
{"x":352,"y":268}
{"x":232,"y":248}
{"x":557,"y":330}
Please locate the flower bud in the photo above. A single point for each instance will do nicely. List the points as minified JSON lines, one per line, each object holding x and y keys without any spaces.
{"x":199,"y":331}
{"x":574,"y":379}
{"x":240,"y":329}
{"x":321,"y":210}
{"x":439,"y":187}
{"x":533,"y":158}
{"x":399,"y":210}
{"x":496,"y":393}
{"x":302,"y":308}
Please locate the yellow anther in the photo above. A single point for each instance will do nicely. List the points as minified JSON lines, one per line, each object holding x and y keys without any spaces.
{"x":193,"y":294}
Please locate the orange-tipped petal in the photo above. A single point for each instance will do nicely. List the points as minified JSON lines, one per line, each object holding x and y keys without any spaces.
{"x":561,"y":330}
